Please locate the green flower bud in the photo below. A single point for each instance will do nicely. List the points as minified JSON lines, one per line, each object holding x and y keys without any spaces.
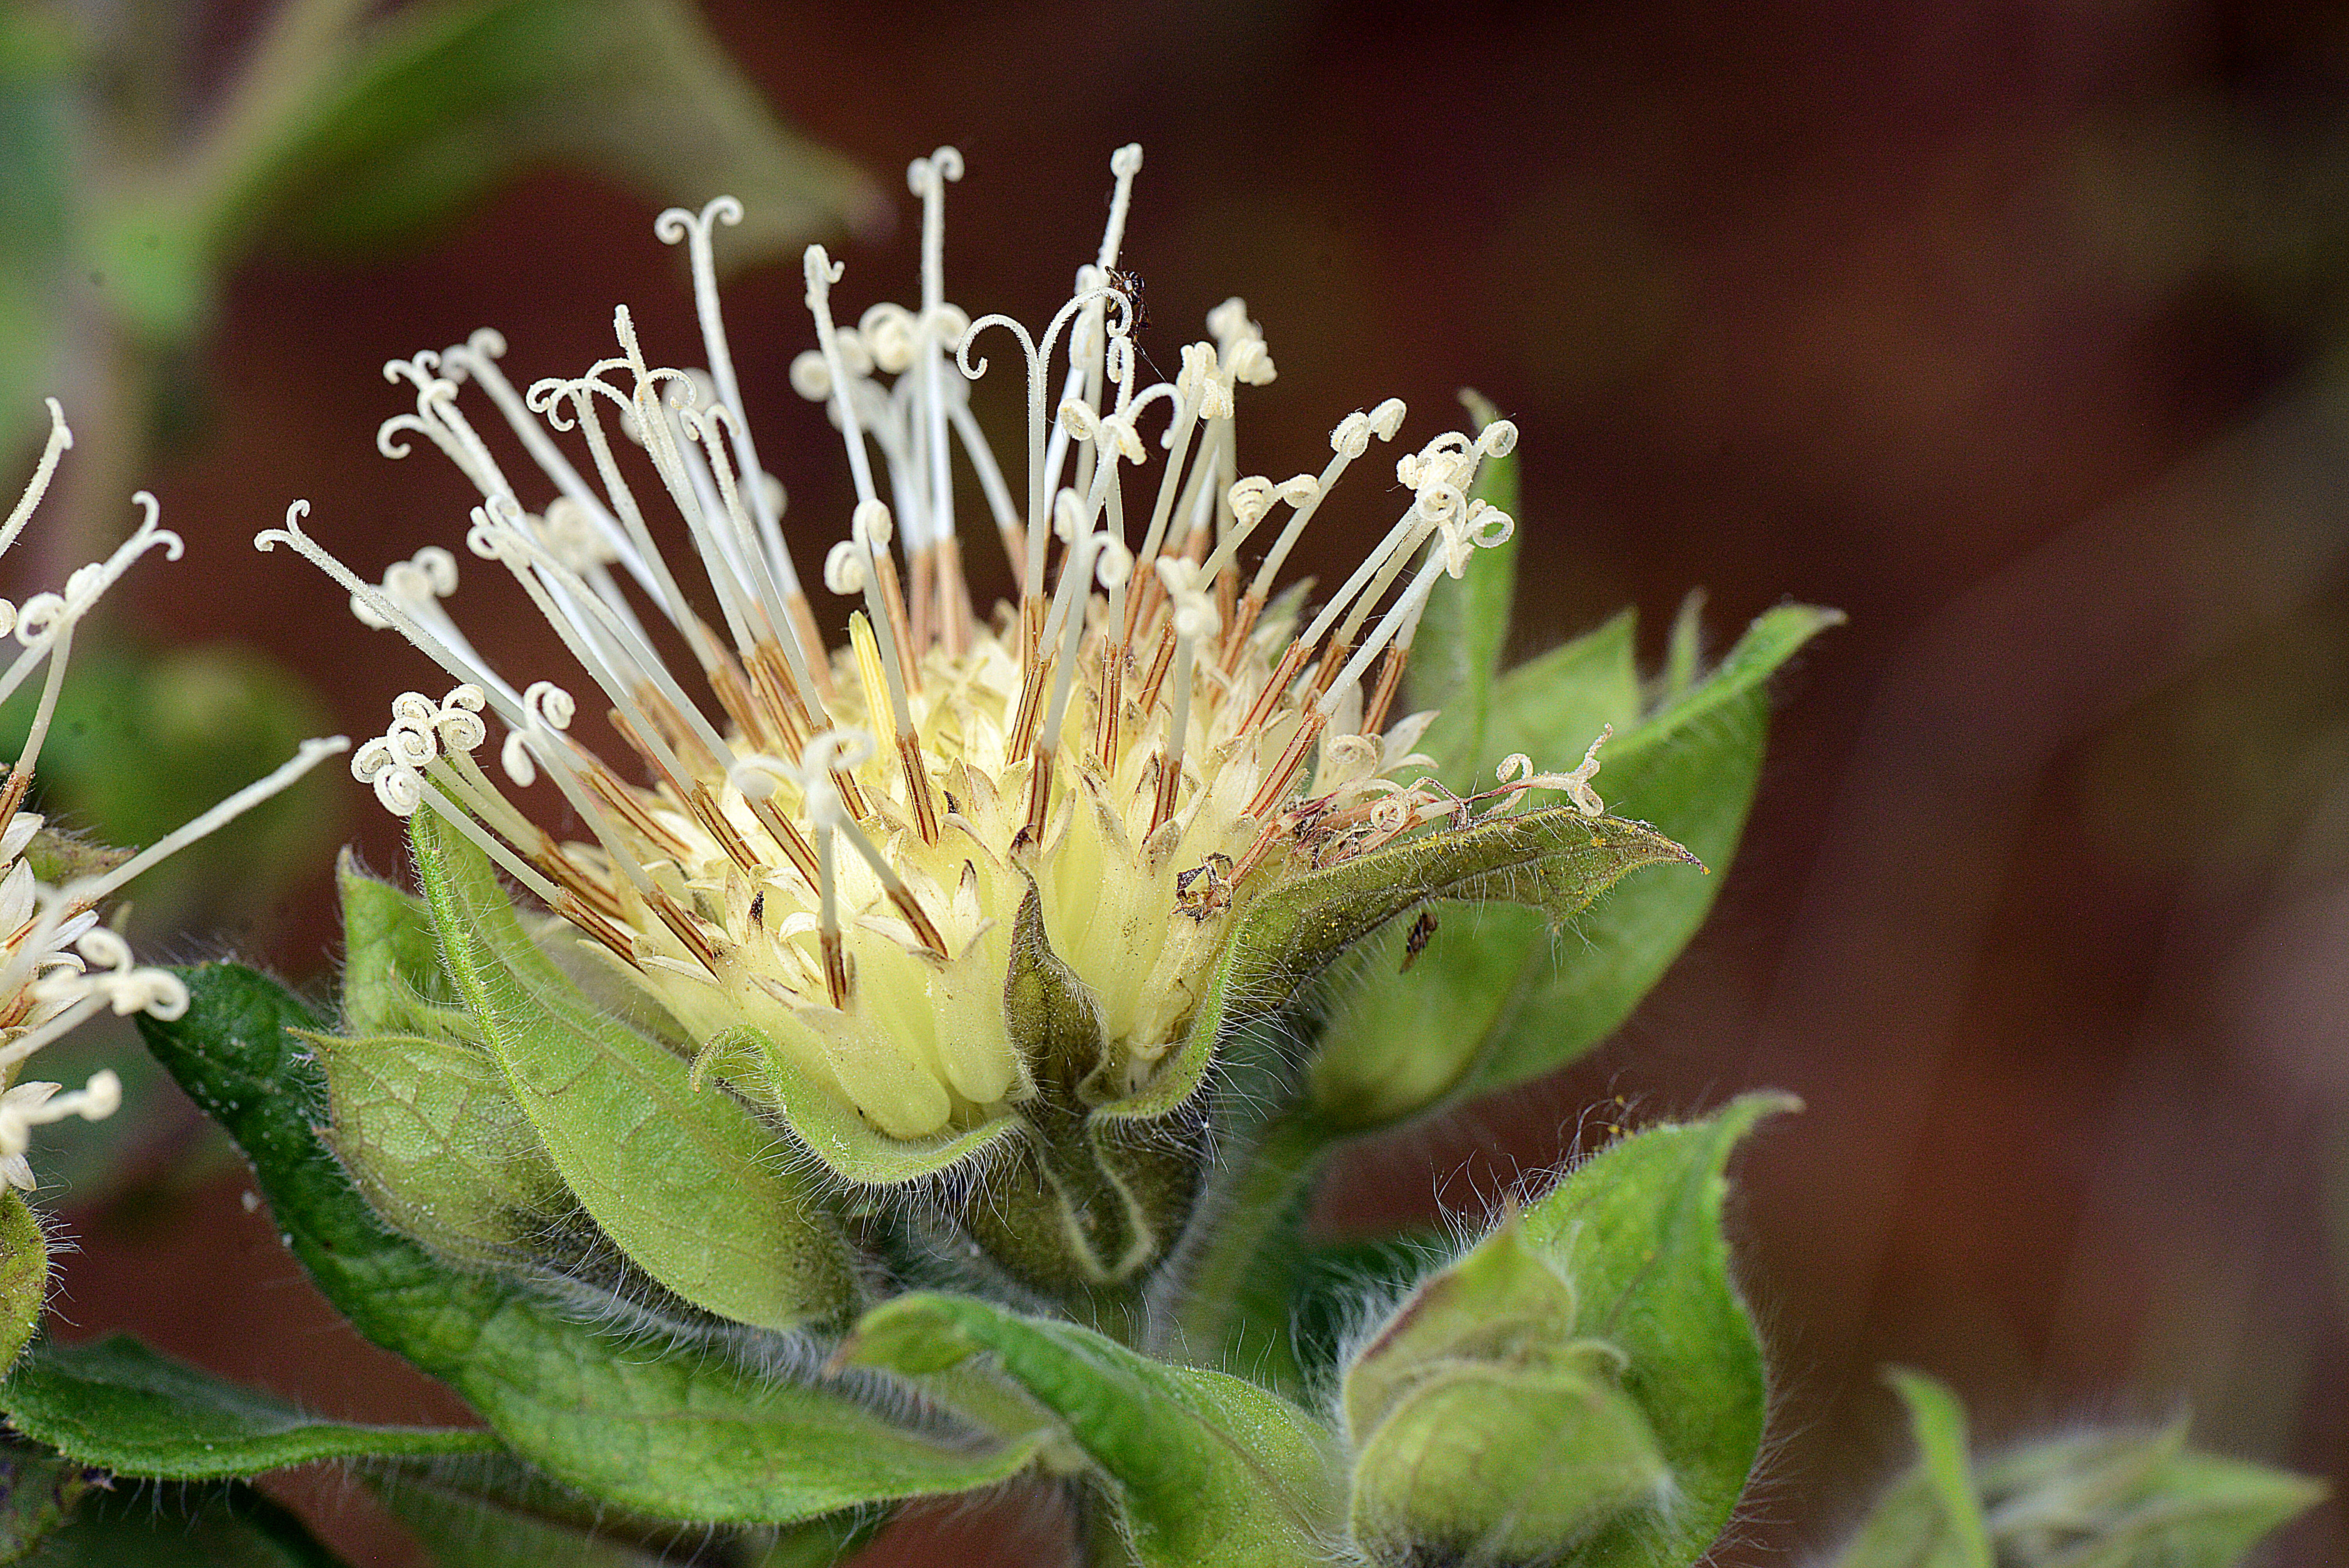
{"x":1483,"y":1428}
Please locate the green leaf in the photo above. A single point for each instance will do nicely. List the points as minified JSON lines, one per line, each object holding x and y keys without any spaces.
{"x":38,"y":1493}
{"x":432,"y":1136}
{"x":1938,"y":1423}
{"x":686,"y":1181}
{"x":1555,"y":862}
{"x":1456,"y":652}
{"x":1205,"y":1469}
{"x":24,"y":1274}
{"x":407,"y":119}
{"x":502,"y":1513}
{"x":1636,"y":1228}
{"x":1494,"y":1000}
{"x":662,"y":1429}
{"x":38,"y":107}
{"x":115,"y":1404}
{"x":2092,"y":1500}
{"x":227,"y":1525}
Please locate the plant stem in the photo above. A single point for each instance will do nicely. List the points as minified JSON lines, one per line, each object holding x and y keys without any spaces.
{"x":1238,"y":1285}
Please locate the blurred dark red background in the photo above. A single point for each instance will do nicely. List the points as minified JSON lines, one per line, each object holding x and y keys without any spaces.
{"x":2012,"y":329}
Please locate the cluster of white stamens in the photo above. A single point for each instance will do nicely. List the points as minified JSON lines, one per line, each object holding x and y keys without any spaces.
{"x":1142,"y":736}
{"x":59,"y":965}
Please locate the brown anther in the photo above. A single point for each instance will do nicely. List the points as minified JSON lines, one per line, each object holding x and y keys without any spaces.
{"x":631,"y":806}
{"x":907,"y":905}
{"x":20,"y":780}
{"x":811,"y":637}
{"x":1391,"y":663}
{"x":1168,"y":778}
{"x":594,"y":925}
{"x":1333,"y":660}
{"x":1111,"y":706}
{"x":789,"y":839}
{"x":852,"y":799}
{"x":712,"y":817}
{"x":687,"y":929}
{"x":1034,"y":666}
{"x":1276,"y":686}
{"x":835,"y":968}
{"x":778,"y":690}
{"x":918,"y":787}
{"x":893,"y":603}
{"x":953,"y":598}
{"x":1161,"y":662}
{"x":923,"y":609}
{"x":1040,"y":792}
{"x":1239,"y":628}
{"x":573,"y":878}
{"x":1284,"y":772}
{"x":732,"y":689}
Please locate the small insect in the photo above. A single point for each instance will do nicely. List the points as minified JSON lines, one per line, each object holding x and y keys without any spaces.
{"x":1128,"y":285}
{"x":1414,"y":942}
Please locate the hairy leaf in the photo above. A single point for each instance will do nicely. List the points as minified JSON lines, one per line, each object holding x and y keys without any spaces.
{"x":24,"y":1274}
{"x":687,"y":1182}
{"x":115,"y":1404}
{"x":221,"y":1525}
{"x":1496,"y":998}
{"x":1206,"y":1471}
{"x":659,"y":1428}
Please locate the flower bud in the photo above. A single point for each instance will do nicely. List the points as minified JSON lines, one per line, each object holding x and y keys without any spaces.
{"x":1484,"y":1428}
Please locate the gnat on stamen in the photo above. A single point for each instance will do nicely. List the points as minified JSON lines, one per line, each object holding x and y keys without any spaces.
{"x":1146,"y":732}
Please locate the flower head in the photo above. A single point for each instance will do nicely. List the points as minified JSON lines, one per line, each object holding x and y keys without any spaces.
{"x":840,"y":848}
{"x":58,"y":964}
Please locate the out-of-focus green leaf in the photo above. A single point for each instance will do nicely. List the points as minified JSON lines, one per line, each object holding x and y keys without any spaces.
{"x":2092,"y":1500}
{"x":1206,"y":1471}
{"x":227,"y":1525}
{"x":433,"y":104}
{"x":502,"y":1513}
{"x":658,"y":1429}
{"x":143,"y":742}
{"x":37,"y":60}
{"x":115,"y":1404}
{"x":38,"y":1492}
{"x":1938,"y":1423}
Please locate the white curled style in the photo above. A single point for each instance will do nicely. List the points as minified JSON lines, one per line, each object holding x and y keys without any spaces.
{"x":1112,"y":562}
{"x":1250,"y":499}
{"x":457,"y":720}
{"x":811,"y":376}
{"x":1348,"y":761}
{"x":893,"y":334}
{"x":827,"y":752}
{"x":844,"y":566}
{"x":549,"y":709}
